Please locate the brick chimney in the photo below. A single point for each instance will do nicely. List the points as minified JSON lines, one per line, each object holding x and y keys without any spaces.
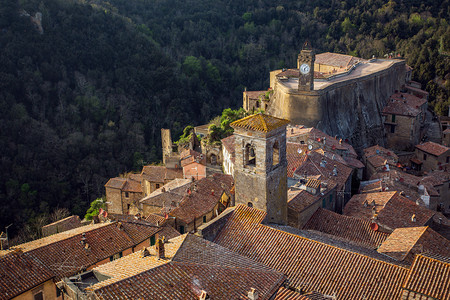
{"x":253,"y":294}
{"x":160,"y":252}
{"x":204,"y":295}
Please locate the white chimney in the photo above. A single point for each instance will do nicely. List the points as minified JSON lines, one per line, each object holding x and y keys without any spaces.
{"x":204,"y":295}
{"x":253,"y":294}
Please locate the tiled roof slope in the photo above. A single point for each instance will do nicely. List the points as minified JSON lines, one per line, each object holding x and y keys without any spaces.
{"x":377,"y":156}
{"x":189,"y":156}
{"x":402,"y":108}
{"x":196,"y":265}
{"x":433,"y":148}
{"x":20,"y":272}
{"x":136,"y":263}
{"x":393,"y":210}
{"x":176,"y":280}
{"x":429,"y":277}
{"x":286,"y":294}
{"x":404,"y":243}
{"x":65,"y":254}
{"x":336,"y":59}
{"x":171,"y":191}
{"x":116,"y":183}
{"x":299,"y":200}
{"x":295,"y":155}
{"x":310,"y":265}
{"x":160,"y":173}
{"x":259,"y":122}
{"x":352,"y":229}
{"x":312,"y":167}
{"x":255,"y":94}
{"x":204,"y":198}
{"x":412,"y":100}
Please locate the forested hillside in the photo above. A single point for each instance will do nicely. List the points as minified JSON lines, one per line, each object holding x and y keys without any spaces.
{"x":84,"y":99}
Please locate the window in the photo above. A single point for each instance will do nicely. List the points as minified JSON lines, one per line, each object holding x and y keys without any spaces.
{"x":424,"y":156}
{"x":157,"y":185}
{"x":116,"y":256}
{"x":181,"y":229}
{"x":393,"y":118}
{"x":127,"y":195}
{"x":275,"y":154}
{"x":331,"y":198}
{"x":152,"y":240}
{"x":39,"y":296}
{"x":250,"y":155}
{"x":447,"y":159}
{"x":324,"y":203}
{"x":204,"y":219}
{"x":392,"y":128}
{"x":250,"y":204}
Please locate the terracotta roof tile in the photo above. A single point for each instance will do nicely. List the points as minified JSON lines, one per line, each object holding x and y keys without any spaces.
{"x":429,"y":277}
{"x":352,"y":229}
{"x":155,"y":219}
{"x":401,"y":108}
{"x":299,"y":200}
{"x":313,"y":166}
{"x":160,"y":173}
{"x":310,"y":265}
{"x":189,"y":156}
{"x":289,"y":73}
{"x":197,"y":265}
{"x":203,"y":198}
{"x":377,"y":156}
{"x":116,"y":183}
{"x":259,"y":122}
{"x":393,"y":211}
{"x":433,"y":148}
{"x":336,"y":59}
{"x":286,"y":294}
{"x":296,"y":156}
{"x":254,"y":94}
{"x":404,"y":243}
{"x":65,"y":254}
{"x":411,"y":100}
{"x":172,"y":191}
{"x":20,"y":272}
{"x":228,"y":144}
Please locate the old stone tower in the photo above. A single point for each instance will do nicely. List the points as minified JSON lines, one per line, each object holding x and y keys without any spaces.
{"x":260,"y":165}
{"x":305,"y":64}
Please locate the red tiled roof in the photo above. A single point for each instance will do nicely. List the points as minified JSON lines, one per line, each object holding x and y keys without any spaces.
{"x":286,"y":294}
{"x":189,"y":156}
{"x":155,"y":219}
{"x":20,"y":272}
{"x":198,"y":265}
{"x":116,"y":183}
{"x":299,"y":200}
{"x":310,"y":265}
{"x":171,"y":192}
{"x":433,"y":148}
{"x":132,"y":186}
{"x":352,"y":229}
{"x":353,"y":162}
{"x":377,"y":156}
{"x":411,"y":100}
{"x":254,"y":94}
{"x":401,"y":108}
{"x":394,"y":211}
{"x":312,"y":166}
{"x":404,"y":243}
{"x":296,"y":156}
{"x":417,"y":90}
{"x":65,"y":254}
{"x":160,"y":173}
{"x":429,"y":277}
{"x":336,"y":60}
{"x":289,"y":73}
{"x":446,"y":131}
{"x":259,"y":122}
{"x":207,"y":195}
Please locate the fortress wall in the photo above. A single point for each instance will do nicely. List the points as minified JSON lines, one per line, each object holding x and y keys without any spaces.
{"x":349,"y":109}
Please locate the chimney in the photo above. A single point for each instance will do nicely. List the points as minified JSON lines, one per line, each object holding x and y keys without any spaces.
{"x":160,"y":253}
{"x":163,"y":189}
{"x":335,"y":171}
{"x":83,"y":238}
{"x":413,"y":218}
{"x":253,"y":294}
{"x":145,"y":252}
{"x":203,"y":296}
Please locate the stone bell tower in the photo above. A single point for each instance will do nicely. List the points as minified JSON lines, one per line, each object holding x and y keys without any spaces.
{"x":260,"y":165}
{"x":305,"y":64}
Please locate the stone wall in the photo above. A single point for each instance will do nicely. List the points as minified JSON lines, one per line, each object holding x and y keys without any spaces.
{"x":61,"y":225}
{"x":347,"y":109}
{"x":209,"y":230}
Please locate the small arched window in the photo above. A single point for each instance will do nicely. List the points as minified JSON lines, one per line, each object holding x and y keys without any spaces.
{"x":250,"y":204}
{"x":250,"y":155}
{"x":276,"y":154}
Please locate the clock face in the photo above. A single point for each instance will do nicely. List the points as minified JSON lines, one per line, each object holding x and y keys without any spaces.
{"x":304,"y":69}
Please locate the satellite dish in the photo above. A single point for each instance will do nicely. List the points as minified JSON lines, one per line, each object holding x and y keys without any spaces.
{"x":299,"y":151}
{"x":310,"y":147}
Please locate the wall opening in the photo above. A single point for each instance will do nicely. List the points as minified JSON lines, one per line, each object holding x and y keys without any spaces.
{"x":250,"y":204}
{"x":250,"y":155}
{"x":276,"y":154}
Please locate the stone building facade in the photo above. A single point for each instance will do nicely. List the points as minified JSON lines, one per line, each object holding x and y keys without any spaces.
{"x":432,"y":156}
{"x":260,"y":165}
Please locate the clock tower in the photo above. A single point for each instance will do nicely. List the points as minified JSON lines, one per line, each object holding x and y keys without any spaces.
{"x":305,"y":64}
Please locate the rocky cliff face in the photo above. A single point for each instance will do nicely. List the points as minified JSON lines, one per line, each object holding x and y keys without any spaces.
{"x":353,"y":111}
{"x":350,"y":109}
